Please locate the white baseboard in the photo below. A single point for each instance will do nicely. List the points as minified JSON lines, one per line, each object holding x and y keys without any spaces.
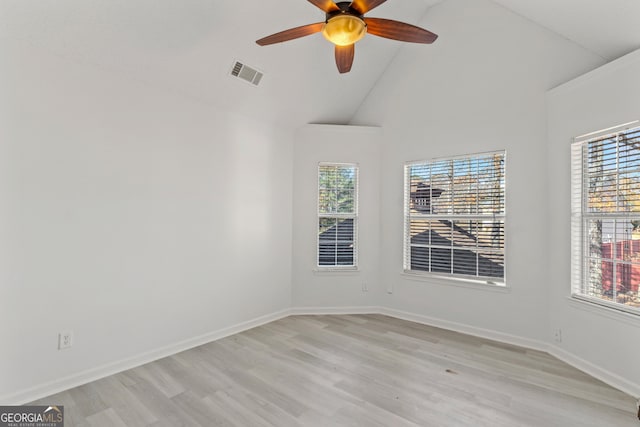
{"x":603,"y":375}
{"x":42,"y":390}
{"x":467,"y":329}
{"x":425,"y":320}
{"x":299,"y":311}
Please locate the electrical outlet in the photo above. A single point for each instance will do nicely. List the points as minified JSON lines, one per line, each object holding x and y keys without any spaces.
{"x":65,"y":340}
{"x":557,"y":335}
{"x":364,"y":287}
{"x":389,"y":288}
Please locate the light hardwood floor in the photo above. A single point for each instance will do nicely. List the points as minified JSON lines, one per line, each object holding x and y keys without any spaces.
{"x":351,"y":370}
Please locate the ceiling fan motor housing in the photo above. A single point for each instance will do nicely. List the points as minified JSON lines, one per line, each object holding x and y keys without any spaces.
{"x":345,"y":8}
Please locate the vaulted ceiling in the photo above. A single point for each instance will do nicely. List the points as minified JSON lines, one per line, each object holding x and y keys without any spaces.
{"x":608,"y":28}
{"x":189,"y":46}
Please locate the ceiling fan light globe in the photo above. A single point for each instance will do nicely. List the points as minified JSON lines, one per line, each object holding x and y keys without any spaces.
{"x":344,"y":30}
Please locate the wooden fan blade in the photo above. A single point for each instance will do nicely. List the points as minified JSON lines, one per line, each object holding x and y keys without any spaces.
{"x":397,"y":30}
{"x":291,"y":34}
{"x":325,"y":5}
{"x":344,"y":57}
{"x":364,"y":6}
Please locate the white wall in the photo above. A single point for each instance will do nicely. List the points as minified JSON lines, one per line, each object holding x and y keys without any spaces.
{"x":345,"y":144}
{"x":606,"y":97}
{"x":140,"y":219}
{"x":132,"y":216}
{"x":480,"y":87}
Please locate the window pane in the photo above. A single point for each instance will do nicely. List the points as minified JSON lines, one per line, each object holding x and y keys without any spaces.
{"x":326,"y":254}
{"x":327,"y":228}
{"x":602,"y":193}
{"x":628,"y":284}
{"x":491,"y":184}
{"x":629,"y":192}
{"x":594,"y":234}
{"x":327,"y":238}
{"x":491,"y":264}
{"x":600,"y":279}
{"x":465,"y":233}
{"x":441,"y":176}
{"x":629,"y":154}
{"x":336,"y":189}
{"x":420,"y":232}
{"x":491,"y":235}
{"x":624,"y":278}
{"x":327,"y":200}
{"x":441,"y":260}
{"x":441,"y":233}
{"x":628,"y":236}
{"x":465,"y":262}
{"x":465,"y":186}
{"x":344,"y":252}
{"x":419,"y":258}
{"x":345,"y":200}
{"x":420,"y":191}
{"x":613,"y":174}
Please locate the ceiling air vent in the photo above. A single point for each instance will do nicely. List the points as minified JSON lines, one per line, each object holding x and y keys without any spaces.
{"x":246,"y":73}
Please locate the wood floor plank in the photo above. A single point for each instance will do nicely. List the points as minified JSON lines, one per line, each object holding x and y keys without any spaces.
{"x":106,"y":418}
{"x":350,"y":370}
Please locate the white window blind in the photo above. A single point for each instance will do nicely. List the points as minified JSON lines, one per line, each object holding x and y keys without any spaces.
{"x":605,"y":218}
{"x":337,"y":215}
{"x":455,"y":216}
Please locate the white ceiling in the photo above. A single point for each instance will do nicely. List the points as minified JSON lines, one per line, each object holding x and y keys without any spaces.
{"x":608,"y":28}
{"x":189,"y":46}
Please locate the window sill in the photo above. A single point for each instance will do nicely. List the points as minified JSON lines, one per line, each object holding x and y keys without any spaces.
{"x":332,"y":271}
{"x":481,"y":285}
{"x":591,"y":305}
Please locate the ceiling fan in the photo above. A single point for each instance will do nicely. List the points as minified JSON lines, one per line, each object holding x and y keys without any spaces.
{"x":345,"y":24}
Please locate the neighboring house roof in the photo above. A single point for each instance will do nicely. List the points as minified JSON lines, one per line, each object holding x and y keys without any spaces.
{"x":444,"y":233}
{"x":337,"y":240}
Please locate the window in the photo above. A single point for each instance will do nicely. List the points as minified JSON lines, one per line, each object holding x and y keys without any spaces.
{"x":605,"y":218}
{"x":454,"y":217}
{"x":337,"y":215}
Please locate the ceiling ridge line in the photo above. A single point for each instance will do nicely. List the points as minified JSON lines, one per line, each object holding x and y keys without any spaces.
{"x":580,"y":45}
{"x":388,"y":65}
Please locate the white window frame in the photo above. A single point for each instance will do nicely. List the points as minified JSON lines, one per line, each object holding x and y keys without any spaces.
{"x":580,"y":218}
{"x":353,"y":216}
{"x":409,"y":216}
